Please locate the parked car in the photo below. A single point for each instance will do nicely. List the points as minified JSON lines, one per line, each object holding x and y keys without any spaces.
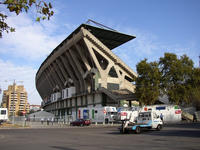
{"x":80,"y":122}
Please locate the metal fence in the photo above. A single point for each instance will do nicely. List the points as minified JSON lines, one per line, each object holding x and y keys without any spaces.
{"x":40,"y":121}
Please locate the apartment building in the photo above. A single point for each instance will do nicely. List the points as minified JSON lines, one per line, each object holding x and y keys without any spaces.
{"x":16,"y":100}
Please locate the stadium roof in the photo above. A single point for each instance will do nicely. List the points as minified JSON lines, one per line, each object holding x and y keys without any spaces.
{"x":110,"y":38}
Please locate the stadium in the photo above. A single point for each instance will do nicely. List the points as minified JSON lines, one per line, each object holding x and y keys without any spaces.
{"x":82,"y":71}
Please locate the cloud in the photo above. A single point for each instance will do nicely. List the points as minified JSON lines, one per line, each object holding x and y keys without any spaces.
{"x":31,"y":40}
{"x":11,"y":72}
{"x":22,"y":50}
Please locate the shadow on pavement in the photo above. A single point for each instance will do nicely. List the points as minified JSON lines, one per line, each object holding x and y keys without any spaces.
{"x":180,"y":130}
{"x":185,"y":125}
{"x":178,"y":133}
{"x":61,"y":148}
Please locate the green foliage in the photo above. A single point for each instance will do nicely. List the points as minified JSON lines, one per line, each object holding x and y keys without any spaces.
{"x":4,"y":26}
{"x":147,"y":83}
{"x":194,"y":82}
{"x":43,"y":9}
{"x":175,"y":76}
{"x":172,"y":76}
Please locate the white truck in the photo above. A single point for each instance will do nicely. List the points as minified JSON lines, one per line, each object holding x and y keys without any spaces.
{"x":3,"y":115}
{"x":127,"y":113}
{"x":98,"y":114}
{"x":145,"y":120}
{"x":171,"y":113}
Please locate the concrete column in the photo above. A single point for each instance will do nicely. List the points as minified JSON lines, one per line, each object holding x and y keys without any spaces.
{"x":89,"y":46}
{"x":51,"y":76}
{"x":81,"y":53}
{"x":57,"y":79}
{"x":78,"y":66}
{"x":64,"y":73}
{"x":49,"y":79}
{"x":78,"y":75}
{"x":58,"y":72}
{"x":68,"y":68}
{"x":76,"y":61}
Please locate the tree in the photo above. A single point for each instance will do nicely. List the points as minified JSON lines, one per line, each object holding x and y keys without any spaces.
{"x":147,"y":83}
{"x":194,"y":82}
{"x":175,"y":74}
{"x":43,"y":8}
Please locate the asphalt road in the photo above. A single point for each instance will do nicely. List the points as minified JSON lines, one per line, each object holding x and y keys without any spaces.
{"x":183,"y":136}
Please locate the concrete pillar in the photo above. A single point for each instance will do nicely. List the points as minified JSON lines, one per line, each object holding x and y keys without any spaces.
{"x":68,"y":68}
{"x":58,"y":72}
{"x":81,"y":53}
{"x":79,"y":69}
{"x":78,"y":75}
{"x":51,"y":82}
{"x":55,"y":76}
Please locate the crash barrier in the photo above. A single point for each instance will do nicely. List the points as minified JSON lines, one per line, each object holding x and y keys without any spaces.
{"x":195,"y":116}
{"x":187,"y":116}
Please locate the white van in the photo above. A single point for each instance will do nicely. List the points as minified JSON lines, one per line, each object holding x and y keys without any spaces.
{"x":3,"y":114}
{"x":98,"y":114}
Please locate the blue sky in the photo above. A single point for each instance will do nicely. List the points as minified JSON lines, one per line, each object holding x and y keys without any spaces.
{"x":159,"y":26}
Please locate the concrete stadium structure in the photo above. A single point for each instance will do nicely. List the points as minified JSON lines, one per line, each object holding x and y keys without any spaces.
{"x":82,"y":71}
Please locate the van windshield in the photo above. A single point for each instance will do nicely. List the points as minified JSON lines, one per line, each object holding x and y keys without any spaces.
{"x":142,"y":115}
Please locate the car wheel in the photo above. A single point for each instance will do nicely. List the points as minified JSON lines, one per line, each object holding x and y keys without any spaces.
{"x":159,"y":127}
{"x":106,"y":121}
{"x":137,"y":130}
{"x":81,"y":125}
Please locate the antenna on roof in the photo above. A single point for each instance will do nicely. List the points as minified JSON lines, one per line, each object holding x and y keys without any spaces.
{"x":99,"y":24}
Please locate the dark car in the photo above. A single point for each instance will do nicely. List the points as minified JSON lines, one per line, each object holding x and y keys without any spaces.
{"x":80,"y":122}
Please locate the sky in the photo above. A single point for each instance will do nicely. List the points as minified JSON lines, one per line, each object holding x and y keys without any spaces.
{"x":160,"y":26}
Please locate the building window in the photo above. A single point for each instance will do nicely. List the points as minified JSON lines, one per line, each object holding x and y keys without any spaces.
{"x":112,"y":72}
{"x":102,"y":61}
{"x":112,"y":86}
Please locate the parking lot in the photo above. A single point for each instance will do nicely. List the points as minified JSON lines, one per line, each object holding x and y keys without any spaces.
{"x":181,"y":136}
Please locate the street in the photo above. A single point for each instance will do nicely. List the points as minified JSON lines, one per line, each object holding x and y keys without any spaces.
{"x":182,"y":136}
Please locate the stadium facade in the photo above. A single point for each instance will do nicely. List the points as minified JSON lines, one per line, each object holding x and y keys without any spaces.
{"x":82,"y":71}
